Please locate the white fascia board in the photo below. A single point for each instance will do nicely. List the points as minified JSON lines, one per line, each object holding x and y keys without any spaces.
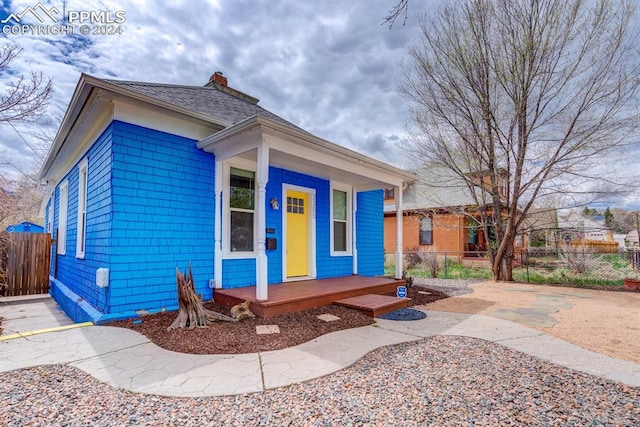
{"x":160,"y":119}
{"x":306,"y":145}
{"x":235,"y":144}
{"x":83,"y":95}
{"x":78,"y":100}
{"x":333,"y":160}
{"x":88,"y":127}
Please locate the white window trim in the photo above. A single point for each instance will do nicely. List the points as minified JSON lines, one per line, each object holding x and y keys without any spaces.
{"x":347,"y":189}
{"x":50,"y":216}
{"x":247,"y":165}
{"x":63,"y":208}
{"x":81,"y":235}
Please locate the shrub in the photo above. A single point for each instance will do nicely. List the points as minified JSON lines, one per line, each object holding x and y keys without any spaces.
{"x":580,"y":260}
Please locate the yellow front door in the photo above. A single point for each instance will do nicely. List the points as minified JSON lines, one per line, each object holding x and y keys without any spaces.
{"x":297,"y":234}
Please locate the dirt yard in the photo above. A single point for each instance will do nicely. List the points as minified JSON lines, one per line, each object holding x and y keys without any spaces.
{"x":603,"y":321}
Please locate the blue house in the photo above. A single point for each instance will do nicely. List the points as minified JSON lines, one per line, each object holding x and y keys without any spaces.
{"x":143,"y":178}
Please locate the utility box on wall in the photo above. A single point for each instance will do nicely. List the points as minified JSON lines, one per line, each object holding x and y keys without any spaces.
{"x":102,"y":277}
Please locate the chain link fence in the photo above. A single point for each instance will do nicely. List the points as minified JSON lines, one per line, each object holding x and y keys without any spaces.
{"x":576,"y":266}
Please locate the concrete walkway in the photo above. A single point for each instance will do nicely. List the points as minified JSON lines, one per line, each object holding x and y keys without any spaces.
{"x":28,"y":313}
{"x":126,"y":359}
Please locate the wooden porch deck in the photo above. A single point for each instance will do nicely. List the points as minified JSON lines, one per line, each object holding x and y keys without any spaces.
{"x":297,"y":296}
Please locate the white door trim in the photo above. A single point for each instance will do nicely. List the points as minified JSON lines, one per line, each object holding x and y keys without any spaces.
{"x":312,"y":232}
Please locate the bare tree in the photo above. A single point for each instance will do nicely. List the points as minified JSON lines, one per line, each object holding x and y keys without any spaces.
{"x":524,"y":99}
{"x":27,"y":97}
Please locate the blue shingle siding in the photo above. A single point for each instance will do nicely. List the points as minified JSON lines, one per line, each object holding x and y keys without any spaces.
{"x":237,"y":273}
{"x":163,"y":217}
{"x":79,"y":275}
{"x":370,"y":233}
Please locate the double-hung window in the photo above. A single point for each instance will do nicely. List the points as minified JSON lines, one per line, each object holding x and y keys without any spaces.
{"x":63,"y":201}
{"x":426,"y":231}
{"x":340,"y":221}
{"x":241,"y":209}
{"x":82,"y":208}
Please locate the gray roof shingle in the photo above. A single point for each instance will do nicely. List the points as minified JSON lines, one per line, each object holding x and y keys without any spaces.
{"x":202,"y":99}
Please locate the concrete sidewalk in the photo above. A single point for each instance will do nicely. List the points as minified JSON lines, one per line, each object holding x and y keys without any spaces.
{"x":124,"y":358}
{"x":26,"y":314}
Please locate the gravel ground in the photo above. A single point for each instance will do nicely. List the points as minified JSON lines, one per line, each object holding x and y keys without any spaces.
{"x":442,"y":381}
{"x":451,"y":287}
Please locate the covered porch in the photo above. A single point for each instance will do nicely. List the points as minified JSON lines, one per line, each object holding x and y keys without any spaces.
{"x":298,"y":296}
{"x":308,"y":209}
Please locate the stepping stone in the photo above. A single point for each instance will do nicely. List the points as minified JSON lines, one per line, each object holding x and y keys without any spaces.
{"x":267,"y":329}
{"x":328,"y":317}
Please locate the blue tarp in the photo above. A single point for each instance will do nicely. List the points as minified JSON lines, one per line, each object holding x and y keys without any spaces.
{"x":25,"y":227}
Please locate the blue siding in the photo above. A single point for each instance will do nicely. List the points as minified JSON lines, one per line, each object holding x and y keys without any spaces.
{"x":370,"y":233}
{"x":163,"y":217}
{"x":79,"y":275}
{"x":238,"y":273}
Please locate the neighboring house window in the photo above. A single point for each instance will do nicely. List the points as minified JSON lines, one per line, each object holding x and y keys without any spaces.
{"x":340,"y":224}
{"x":426,"y":231}
{"x":389,"y":194}
{"x":82,"y":208}
{"x":241,"y":209}
{"x":473,"y":234}
{"x":62,"y":217}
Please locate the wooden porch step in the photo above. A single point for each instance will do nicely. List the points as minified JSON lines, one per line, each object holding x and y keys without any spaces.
{"x":374,"y":305}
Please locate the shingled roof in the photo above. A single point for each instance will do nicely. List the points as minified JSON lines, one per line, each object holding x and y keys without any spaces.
{"x":202,"y":99}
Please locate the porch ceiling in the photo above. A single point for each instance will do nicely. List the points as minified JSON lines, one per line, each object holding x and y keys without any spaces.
{"x":300,"y":151}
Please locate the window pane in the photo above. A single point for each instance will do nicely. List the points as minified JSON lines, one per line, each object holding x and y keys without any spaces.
{"x":339,"y":205}
{"x":339,"y":236}
{"x":426,"y":231}
{"x":241,"y":232}
{"x":242,"y":187}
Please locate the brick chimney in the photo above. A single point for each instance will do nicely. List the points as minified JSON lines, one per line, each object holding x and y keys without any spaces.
{"x":219,"y":78}
{"x":219,"y":81}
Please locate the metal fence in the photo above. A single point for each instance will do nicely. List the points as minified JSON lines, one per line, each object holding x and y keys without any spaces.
{"x":578,"y":266}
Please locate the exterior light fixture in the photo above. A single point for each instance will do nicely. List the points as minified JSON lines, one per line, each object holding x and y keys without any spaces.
{"x":274,"y":204}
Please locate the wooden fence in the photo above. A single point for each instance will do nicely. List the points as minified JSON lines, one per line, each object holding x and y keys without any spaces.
{"x":594,"y":245}
{"x":24,"y":263}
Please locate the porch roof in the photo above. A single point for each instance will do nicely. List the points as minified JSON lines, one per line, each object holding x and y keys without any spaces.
{"x":295,"y":149}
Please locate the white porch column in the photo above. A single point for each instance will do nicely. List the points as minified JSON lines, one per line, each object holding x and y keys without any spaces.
{"x":217,"y":232}
{"x":354,"y":246}
{"x":399,"y":224}
{"x":262,"y":177}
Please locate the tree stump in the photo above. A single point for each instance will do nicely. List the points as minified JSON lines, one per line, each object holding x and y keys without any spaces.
{"x":192,"y":313}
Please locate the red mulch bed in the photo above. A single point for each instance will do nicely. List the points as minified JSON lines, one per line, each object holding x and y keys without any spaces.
{"x":241,"y":337}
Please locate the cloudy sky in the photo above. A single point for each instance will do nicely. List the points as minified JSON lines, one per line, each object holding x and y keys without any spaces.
{"x":330,"y":67}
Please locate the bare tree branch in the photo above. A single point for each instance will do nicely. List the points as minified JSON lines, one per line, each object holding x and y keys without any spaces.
{"x":400,"y":9}
{"x":28,"y":96}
